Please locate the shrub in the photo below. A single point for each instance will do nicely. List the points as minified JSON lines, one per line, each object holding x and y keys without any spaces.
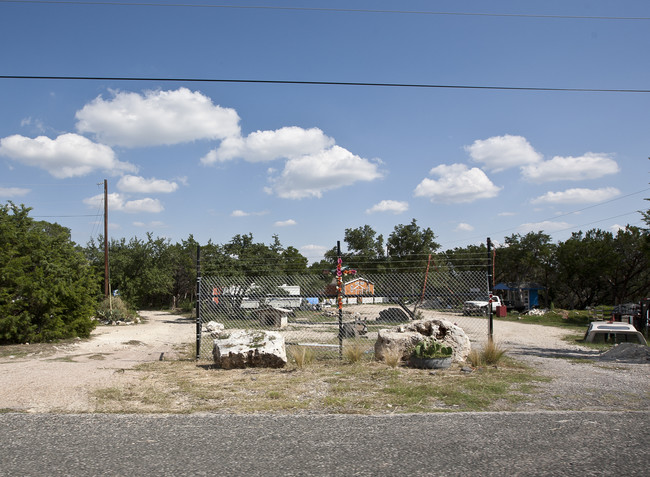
{"x":115,"y":309}
{"x":46,"y":283}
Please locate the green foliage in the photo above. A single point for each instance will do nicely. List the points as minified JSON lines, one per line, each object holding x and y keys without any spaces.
{"x":409,"y":246}
{"x":115,"y":309}
{"x":46,"y":285}
{"x":431,"y":349}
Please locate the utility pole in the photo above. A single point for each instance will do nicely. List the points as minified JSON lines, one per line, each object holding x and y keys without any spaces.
{"x":107,"y":290}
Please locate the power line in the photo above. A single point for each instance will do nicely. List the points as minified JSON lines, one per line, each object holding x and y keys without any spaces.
{"x":335,"y":10}
{"x":325,"y":83}
{"x":498,"y":232}
{"x":60,"y":216}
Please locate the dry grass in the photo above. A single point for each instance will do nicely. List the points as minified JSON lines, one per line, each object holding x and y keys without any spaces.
{"x":325,"y":386}
{"x":354,"y":352}
{"x":392,"y":357}
{"x":490,"y":355}
{"x":301,"y":355}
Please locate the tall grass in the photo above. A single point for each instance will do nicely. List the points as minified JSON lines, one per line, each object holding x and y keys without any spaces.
{"x":490,"y":355}
{"x":393,"y":357}
{"x":302,"y":355}
{"x":353,"y":352}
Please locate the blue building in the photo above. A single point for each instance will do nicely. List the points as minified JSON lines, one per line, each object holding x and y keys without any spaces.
{"x":518,"y":296}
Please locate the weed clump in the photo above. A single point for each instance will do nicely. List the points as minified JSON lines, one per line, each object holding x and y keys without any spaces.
{"x":490,"y":355}
{"x":302,"y":355}
{"x":393,"y":357}
{"x":353,"y":353}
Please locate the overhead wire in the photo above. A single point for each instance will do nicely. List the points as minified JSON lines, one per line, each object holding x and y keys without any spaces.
{"x":332,"y":10}
{"x":325,"y":83}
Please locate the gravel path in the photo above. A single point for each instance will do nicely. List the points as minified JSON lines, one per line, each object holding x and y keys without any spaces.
{"x":63,"y":381}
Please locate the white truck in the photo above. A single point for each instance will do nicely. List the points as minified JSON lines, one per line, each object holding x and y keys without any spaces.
{"x":480,"y":307}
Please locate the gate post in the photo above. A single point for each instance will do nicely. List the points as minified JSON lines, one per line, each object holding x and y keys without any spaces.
{"x":339,"y":292}
{"x":198,"y":302}
{"x":490,"y":287}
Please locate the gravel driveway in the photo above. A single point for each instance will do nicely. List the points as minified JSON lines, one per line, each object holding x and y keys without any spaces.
{"x":63,"y":381}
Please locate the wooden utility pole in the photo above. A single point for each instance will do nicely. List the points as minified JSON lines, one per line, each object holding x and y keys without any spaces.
{"x":107,"y":290}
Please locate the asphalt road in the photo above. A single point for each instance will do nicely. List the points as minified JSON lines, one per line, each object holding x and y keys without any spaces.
{"x":536,"y":443}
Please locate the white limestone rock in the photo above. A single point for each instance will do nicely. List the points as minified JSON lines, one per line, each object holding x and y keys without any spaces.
{"x":403,"y":338}
{"x":249,"y":348}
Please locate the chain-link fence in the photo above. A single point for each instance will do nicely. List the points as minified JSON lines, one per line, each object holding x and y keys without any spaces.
{"x":317,"y":312}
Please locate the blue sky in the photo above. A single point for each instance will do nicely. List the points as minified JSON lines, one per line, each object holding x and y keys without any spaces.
{"x":306,"y":162}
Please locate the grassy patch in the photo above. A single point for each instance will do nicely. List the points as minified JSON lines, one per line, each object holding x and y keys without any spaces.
{"x":325,"y":386}
{"x":579,"y":340}
{"x":574,"y":319}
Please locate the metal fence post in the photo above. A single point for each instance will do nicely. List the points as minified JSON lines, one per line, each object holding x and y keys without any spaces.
{"x":198,"y":302}
{"x":490,"y":287}
{"x":339,"y":292}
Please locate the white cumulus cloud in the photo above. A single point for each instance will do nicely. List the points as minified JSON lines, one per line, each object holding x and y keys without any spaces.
{"x":140,"y":185}
{"x":259,"y":146}
{"x":10,"y":192}
{"x":547,"y":226}
{"x":313,"y":253}
{"x":311,"y":175}
{"x":243,"y":213}
{"x":156,"y":118}
{"x":152,"y":224}
{"x":392,"y":206}
{"x":589,"y":166}
{"x":456,"y":184}
{"x":119,"y":202}
{"x":577,"y":196}
{"x":285,"y":223}
{"x":503,"y":152}
{"x":463,"y":227}
{"x":69,"y":155}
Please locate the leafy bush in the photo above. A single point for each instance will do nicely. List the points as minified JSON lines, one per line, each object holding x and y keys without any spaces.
{"x":46,"y":284}
{"x":115,"y":309}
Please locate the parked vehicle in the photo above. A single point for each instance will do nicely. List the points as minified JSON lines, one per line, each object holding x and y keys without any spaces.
{"x":480,"y":307}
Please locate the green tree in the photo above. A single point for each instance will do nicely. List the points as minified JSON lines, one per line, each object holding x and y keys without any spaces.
{"x":409,"y":247}
{"x":47,"y":287}
{"x":629,"y":276}
{"x":465,"y":259}
{"x":582,"y":265}
{"x":526,"y":259}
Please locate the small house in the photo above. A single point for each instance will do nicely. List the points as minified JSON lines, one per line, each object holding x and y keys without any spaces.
{"x":518,"y":296}
{"x":359,"y":286}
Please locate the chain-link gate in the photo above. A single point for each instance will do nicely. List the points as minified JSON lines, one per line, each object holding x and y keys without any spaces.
{"x":311,"y":311}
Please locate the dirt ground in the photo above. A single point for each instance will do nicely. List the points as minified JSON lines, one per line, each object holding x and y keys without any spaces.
{"x":62,"y":378}
{"x":34,"y":379}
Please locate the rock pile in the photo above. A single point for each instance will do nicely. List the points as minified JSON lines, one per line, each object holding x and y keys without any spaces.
{"x":403,"y":338}
{"x":627,"y":352}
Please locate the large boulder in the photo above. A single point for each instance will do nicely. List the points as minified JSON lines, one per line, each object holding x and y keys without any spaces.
{"x":243,"y":348}
{"x":403,"y":338}
{"x":392,"y":315}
